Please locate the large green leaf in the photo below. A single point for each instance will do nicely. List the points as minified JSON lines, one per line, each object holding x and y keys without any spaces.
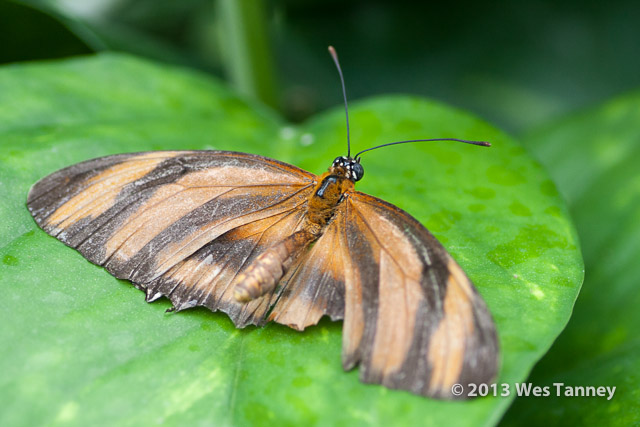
{"x":83,"y":348}
{"x":594,"y":157}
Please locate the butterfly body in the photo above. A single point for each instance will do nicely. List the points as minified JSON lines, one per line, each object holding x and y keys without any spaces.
{"x":266,"y":271}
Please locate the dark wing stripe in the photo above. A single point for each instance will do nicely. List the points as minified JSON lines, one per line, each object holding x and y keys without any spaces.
{"x":117,"y":212}
{"x":110,"y":190}
{"x":130,"y":193}
{"x":117,"y":176}
{"x":90,"y":235}
{"x":361,"y":298}
{"x":151,"y":218}
{"x":88,"y":206}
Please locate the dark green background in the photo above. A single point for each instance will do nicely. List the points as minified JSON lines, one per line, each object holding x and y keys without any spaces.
{"x":518,"y":64}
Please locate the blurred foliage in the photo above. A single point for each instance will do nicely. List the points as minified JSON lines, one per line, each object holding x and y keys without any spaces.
{"x":593,"y":156}
{"x":515,"y":63}
{"x":21,"y":42}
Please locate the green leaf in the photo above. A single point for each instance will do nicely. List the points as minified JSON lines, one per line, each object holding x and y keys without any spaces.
{"x":594,"y":157}
{"x":84,"y":348}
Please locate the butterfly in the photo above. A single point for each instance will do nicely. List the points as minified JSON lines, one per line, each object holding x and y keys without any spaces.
{"x":262,"y":240}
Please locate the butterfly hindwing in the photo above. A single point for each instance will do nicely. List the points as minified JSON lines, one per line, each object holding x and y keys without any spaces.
{"x":206,"y":277}
{"x":170,"y":221}
{"x":314,"y":286}
{"x":412,"y":319}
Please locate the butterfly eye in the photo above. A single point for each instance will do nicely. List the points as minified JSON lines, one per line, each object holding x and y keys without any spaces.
{"x":357,"y":171}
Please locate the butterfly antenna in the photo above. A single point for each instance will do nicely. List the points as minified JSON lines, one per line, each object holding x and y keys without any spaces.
{"x":480,"y":143}
{"x":334,"y":55}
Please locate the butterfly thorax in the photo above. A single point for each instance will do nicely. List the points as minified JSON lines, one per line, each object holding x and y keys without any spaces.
{"x":328,"y":192}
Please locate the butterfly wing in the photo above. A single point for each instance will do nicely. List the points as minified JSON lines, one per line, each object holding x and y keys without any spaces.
{"x":180,"y":224}
{"x":412,"y":318}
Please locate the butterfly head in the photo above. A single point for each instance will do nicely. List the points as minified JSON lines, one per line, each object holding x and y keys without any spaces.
{"x":347,"y":167}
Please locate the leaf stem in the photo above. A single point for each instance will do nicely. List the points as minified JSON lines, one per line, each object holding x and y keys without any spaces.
{"x":247,"y":50}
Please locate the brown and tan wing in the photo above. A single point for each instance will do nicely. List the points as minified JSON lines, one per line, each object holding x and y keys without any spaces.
{"x":412,"y":318}
{"x":179,"y":224}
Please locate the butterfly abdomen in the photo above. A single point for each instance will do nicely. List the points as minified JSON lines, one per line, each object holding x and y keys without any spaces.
{"x":268,"y":268}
